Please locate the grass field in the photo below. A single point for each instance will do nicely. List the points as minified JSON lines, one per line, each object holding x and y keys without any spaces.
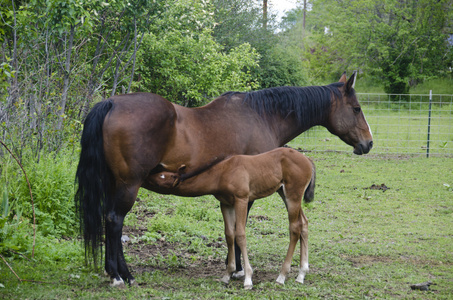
{"x":378,"y":224}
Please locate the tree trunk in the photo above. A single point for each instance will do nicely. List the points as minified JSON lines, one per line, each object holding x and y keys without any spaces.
{"x":66,"y":77}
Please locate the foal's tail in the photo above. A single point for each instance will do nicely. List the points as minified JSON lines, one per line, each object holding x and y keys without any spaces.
{"x":93,"y":177}
{"x":310,"y":191}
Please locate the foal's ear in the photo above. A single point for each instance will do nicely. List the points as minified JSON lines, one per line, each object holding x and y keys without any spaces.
{"x":181,"y":169}
{"x":351,"y":82}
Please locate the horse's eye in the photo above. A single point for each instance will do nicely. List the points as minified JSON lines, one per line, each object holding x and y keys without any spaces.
{"x":356,"y":109}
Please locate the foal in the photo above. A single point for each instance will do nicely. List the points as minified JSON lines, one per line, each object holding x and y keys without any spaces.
{"x":240,"y":179}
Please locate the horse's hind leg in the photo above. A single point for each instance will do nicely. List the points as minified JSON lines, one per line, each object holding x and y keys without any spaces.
{"x":115,"y":212}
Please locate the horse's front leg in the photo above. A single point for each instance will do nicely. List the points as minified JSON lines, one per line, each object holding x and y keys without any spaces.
{"x":240,"y":208}
{"x":229,"y":220}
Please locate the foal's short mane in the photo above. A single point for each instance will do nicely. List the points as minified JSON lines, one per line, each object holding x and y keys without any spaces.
{"x":308,"y":104}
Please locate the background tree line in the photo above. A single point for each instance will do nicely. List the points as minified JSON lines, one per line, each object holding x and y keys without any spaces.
{"x":59,"y":57}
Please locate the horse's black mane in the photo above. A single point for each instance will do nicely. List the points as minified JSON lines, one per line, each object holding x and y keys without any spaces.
{"x":308,"y":104}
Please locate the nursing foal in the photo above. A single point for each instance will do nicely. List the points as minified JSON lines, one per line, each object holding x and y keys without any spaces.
{"x":240,"y":179}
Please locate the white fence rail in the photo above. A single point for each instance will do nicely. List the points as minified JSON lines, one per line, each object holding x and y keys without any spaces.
{"x":401,"y":125}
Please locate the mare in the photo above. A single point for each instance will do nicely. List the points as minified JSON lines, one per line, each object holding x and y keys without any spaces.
{"x":240,"y":179}
{"x":126,"y":139}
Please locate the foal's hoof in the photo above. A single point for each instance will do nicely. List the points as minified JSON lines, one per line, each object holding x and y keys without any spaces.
{"x":225,"y":279}
{"x":300,"y":278}
{"x":248,"y":287}
{"x":281,"y":279}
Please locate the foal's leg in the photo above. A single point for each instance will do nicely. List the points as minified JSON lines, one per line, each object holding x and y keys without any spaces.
{"x":303,"y":249}
{"x":116,"y":209}
{"x":295,"y":230}
{"x":240,"y":208}
{"x":237,"y":251}
{"x":229,"y":219}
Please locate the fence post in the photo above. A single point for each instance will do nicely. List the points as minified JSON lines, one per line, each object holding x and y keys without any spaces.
{"x":429,"y":122}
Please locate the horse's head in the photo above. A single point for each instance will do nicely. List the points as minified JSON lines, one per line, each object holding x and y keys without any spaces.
{"x":347,"y":120}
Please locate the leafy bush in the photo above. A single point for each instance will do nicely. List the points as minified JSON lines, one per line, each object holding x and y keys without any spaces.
{"x":185,"y":64}
{"x":52,"y":185}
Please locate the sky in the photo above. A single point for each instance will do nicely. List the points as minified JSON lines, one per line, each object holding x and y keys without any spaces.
{"x":281,"y":6}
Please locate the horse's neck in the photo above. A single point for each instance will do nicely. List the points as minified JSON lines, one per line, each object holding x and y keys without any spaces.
{"x":289,"y":128}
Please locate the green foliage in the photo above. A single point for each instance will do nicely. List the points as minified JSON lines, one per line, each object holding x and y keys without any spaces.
{"x":5,"y":74}
{"x":401,"y":42}
{"x":185,"y":64}
{"x":52,"y":185}
{"x":280,"y":61}
{"x":282,"y":65}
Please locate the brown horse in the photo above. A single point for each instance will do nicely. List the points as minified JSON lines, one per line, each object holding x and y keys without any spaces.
{"x":128,"y":138}
{"x":240,"y":179}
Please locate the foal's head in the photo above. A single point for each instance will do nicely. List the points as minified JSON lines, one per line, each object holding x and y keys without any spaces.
{"x":347,"y":120}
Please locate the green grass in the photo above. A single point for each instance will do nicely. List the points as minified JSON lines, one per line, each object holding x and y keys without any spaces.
{"x":363,"y":243}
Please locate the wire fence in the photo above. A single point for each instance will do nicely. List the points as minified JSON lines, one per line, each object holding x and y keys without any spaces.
{"x":401,"y":125}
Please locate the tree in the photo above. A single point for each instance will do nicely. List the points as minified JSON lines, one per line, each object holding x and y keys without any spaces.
{"x":400,"y":41}
{"x":185,"y":64}
{"x":239,"y":21}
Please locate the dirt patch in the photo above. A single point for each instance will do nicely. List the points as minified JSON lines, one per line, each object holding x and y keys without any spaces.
{"x":259,"y":218}
{"x":151,"y":256}
{"x":381,"y":187}
{"x":364,"y":260}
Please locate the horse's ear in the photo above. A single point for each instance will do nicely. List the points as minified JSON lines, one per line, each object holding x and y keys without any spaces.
{"x":351,"y":82}
{"x":343,"y":78}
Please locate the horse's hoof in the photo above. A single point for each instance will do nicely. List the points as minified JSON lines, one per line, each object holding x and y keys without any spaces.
{"x":238,"y":275}
{"x":118,"y":283}
{"x":248,"y":287}
{"x":281,"y":279}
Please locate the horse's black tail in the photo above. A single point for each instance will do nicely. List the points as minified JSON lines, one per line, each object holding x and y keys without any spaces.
{"x":310,"y":191}
{"x":92,"y":177}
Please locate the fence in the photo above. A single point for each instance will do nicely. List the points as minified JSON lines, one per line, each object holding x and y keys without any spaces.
{"x":401,"y":125}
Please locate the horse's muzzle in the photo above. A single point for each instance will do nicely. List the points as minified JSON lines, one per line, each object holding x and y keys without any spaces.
{"x":363,"y":148}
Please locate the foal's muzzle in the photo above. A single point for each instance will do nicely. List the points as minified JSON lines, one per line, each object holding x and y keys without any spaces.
{"x":363,"y":148}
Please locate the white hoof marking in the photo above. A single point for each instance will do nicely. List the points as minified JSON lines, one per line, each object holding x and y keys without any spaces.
{"x":238,"y":275}
{"x":300,"y":278}
{"x":117,"y":283}
{"x":225,"y":279}
{"x":248,"y":284}
{"x":281,"y":279}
